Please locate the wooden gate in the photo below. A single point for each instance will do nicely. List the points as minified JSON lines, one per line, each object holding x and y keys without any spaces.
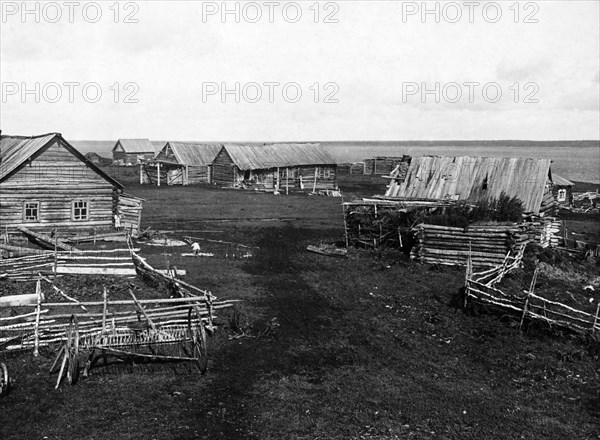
{"x":130,"y":210}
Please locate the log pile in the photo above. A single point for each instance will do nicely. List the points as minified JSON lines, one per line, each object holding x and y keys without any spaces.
{"x":486,"y":245}
{"x":544,"y":231}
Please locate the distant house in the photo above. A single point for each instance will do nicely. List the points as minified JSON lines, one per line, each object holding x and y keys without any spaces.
{"x":474,"y":179}
{"x":45,"y":183}
{"x":96,"y":159}
{"x":182,"y":163}
{"x":562,"y":189}
{"x":383,"y":165}
{"x":132,"y":151}
{"x":275,"y":167}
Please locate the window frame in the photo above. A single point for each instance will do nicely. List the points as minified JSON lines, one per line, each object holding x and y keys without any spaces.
{"x":38,"y":209}
{"x":561,"y":196}
{"x":87,"y":210}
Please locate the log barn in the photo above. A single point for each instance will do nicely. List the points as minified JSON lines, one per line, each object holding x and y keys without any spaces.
{"x":473,"y":179}
{"x":181,"y":163}
{"x":45,"y":183}
{"x":276,"y":167}
{"x":132,"y":151}
{"x":562,"y":189}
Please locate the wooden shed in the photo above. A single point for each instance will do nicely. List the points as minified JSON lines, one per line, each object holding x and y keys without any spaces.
{"x":181,"y":163}
{"x":473,"y":179}
{"x":383,"y":165}
{"x":562,"y":190}
{"x":132,"y":151}
{"x":45,"y":183}
{"x":276,"y":167}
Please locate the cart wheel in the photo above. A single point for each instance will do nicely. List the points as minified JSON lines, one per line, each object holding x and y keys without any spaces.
{"x":4,"y":380}
{"x":200,"y":348}
{"x":72,"y":351}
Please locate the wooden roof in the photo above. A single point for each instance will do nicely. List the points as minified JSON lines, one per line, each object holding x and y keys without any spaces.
{"x":252,"y":157}
{"x":135,"y":146}
{"x":16,"y":151}
{"x":561,"y":181}
{"x":188,"y":153}
{"x":474,"y":178}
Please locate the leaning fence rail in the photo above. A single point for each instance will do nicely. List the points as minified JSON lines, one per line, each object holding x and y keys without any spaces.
{"x":480,"y":288}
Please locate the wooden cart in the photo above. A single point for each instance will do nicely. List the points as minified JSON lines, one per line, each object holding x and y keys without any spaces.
{"x":145,"y":342}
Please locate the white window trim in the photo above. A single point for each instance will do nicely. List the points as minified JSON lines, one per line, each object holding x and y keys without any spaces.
{"x":87,"y":206}
{"x":39,"y":205}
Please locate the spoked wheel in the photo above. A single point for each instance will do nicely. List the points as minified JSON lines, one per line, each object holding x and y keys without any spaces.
{"x":72,"y":351}
{"x":4,"y":380}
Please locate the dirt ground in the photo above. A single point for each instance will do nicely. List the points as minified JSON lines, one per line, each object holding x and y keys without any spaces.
{"x":368,"y":347}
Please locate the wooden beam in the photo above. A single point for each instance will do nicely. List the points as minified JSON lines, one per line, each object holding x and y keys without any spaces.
{"x":46,"y":241}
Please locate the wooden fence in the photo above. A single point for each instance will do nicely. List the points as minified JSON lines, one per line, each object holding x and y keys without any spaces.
{"x":480,"y":288}
{"x":90,"y":262}
{"x":43,"y":323}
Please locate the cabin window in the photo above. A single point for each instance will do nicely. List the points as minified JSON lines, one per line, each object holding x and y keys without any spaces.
{"x":562,"y":195}
{"x":31,"y":211}
{"x":80,"y":210}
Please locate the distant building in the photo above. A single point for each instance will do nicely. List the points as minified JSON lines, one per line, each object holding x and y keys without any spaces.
{"x":95,"y":158}
{"x":132,"y":151}
{"x":275,"y":167}
{"x":474,"y":179}
{"x":181,"y":163}
{"x":45,"y":183}
{"x":562,"y":189}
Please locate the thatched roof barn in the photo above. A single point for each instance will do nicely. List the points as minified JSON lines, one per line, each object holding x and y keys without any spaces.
{"x":182,"y":163}
{"x":132,"y":151}
{"x":45,"y":183}
{"x":275,"y":167}
{"x":562,"y":189}
{"x":474,"y":179}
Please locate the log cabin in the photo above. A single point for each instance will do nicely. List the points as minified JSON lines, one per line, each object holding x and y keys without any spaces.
{"x":181,"y":163}
{"x":132,"y":151}
{"x":276,"y":167}
{"x":46,"y":184}
{"x":562,"y":189}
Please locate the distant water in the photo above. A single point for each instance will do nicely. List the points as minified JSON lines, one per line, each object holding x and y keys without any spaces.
{"x":574,"y":160}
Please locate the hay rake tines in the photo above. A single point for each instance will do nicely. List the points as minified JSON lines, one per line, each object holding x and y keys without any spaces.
{"x":154,"y":342}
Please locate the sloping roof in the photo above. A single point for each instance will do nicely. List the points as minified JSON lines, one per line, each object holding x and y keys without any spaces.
{"x":561,"y":181}
{"x":17,"y":150}
{"x":252,"y":157}
{"x":474,"y":178}
{"x":135,"y":145}
{"x":194,"y":154}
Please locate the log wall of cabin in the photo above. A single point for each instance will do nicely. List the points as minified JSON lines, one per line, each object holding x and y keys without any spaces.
{"x":569,"y":194}
{"x":55,"y":179}
{"x":198,"y":174}
{"x":223,"y":170}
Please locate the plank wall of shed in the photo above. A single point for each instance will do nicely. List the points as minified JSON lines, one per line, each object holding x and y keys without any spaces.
{"x":55,"y":179}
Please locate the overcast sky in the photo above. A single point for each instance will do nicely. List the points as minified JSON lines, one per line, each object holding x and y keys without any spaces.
{"x":372,"y":60}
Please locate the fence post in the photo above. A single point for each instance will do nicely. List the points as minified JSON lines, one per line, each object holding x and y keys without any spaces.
{"x":55,"y":251}
{"x":596,"y":319}
{"x":38,"y":292}
{"x":529,"y":293}
{"x":104,"y":299}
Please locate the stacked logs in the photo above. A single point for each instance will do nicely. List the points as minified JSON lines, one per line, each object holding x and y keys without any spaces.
{"x":544,"y":231}
{"x":487,"y":245}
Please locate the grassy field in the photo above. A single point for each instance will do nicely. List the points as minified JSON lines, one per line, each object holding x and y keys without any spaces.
{"x":320,"y":348}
